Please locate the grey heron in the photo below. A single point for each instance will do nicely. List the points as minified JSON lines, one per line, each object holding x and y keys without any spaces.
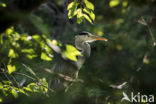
{"x":69,"y":68}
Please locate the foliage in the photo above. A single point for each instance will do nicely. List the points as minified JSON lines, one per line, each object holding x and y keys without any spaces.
{"x":31,"y":49}
{"x":81,"y":9}
{"x":2,"y":4}
{"x":125,"y":64}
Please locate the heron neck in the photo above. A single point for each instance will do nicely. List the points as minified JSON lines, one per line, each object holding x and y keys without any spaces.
{"x":84,"y":47}
{"x":86,"y":50}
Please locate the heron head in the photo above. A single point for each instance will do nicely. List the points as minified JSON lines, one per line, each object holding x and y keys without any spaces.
{"x":88,"y":37}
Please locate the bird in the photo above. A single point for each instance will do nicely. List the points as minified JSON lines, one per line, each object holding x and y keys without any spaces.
{"x":68,"y":70}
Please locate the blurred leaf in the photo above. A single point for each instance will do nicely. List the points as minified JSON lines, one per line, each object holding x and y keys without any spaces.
{"x":3,"y":4}
{"x":125,"y":3}
{"x":87,"y":18}
{"x":114,"y":3}
{"x":92,"y":15}
{"x":1,"y":39}
{"x":89,"y":5}
{"x":27,"y":89}
{"x":70,"y":5}
{"x":119,"y":47}
{"x":79,"y":16}
{"x":14,"y":93}
{"x":1,"y":100}
{"x":71,"y":52}
{"x":36,"y":37}
{"x":27,"y":50}
{"x":72,"y":9}
{"x":86,"y":10}
{"x":11,"y":68}
{"x":10,"y":30}
{"x":12,"y":53}
{"x":45,"y":57}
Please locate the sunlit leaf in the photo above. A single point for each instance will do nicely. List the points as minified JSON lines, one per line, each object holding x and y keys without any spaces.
{"x":87,"y":18}
{"x":30,"y":56}
{"x":70,"y":5}
{"x":11,"y":68}
{"x":72,"y":9}
{"x":44,"y":86}
{"x":89,"y":4}
{"x":92,"y":15}
{"x":7,"y":82}
{"x":114,"y":3}
{"x":27,"y":50}
{"x":10,"y":30}
{"x":71,"y":52}
{"x":1,"y":100}
{"x":86,"y":10}
{"x":3,"y":4}
{"x":1,"y":87}
{"x":45,"y":57}
{"x":27,"y":89}
{"x":12,"y":53}
{"x":36,"y":37}
{"x":125,"y":3}
{"x":14,"y":93}
{"x":22,"y":91}
{"x":79,"y":16}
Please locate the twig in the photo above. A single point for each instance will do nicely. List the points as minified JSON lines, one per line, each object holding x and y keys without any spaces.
{"x":15,"y":80}
{"x":5,"y":74}
{"x":31,"y":71}
{"x":142,"y":21}
{"x":62,"y":76}
{"x":21,"y":74}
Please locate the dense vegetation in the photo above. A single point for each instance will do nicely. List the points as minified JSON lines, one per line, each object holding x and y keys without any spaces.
{"x":126,"y":63}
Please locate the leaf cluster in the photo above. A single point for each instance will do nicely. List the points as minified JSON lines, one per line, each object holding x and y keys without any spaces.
{"x":82,"y":10}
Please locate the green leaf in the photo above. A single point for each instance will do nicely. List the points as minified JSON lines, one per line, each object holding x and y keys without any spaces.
{"x":79,"y":20}
{"x":28,"y":51}
{"x":89,"y":5}
{"x":71,"y":52}
{"x":70,"y":5}
{"x":12,"y":53}
{"x":36,"y":37}
{"x":22,"y":91}
{"x":14,"y":93}
{"x":11,"y":68}
{"x":45,"y":57}
{"x":10,"y":30}
{"x":80,"y":16}
{"x":72,"y":9}
{"x":92,"y":15}
{"x":124,"y":3}
{"x":87,"y":18}
{"x":1,"y":100}
{"x":86,"y":10}
{"x":3,"y":4}
{"x":114,"y":3}
{"x":27,"y":89}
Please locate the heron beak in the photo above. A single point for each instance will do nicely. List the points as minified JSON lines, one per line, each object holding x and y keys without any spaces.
{"x":99,"y":38}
